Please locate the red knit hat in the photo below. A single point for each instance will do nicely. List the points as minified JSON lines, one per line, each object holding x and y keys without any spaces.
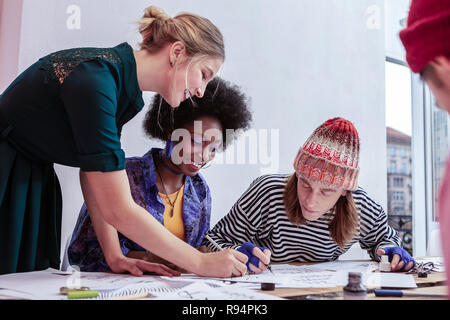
{"x":331,"y":155}
{"x":427,"y":35}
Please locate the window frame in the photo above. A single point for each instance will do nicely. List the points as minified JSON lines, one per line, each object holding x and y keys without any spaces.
{"x":422,"y":165}
{"x":421,"y":162}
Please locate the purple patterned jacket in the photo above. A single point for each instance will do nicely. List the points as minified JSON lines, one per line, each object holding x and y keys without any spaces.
{"x":84,"y":249}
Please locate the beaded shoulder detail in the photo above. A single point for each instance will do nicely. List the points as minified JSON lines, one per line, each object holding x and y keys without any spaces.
{"x":61,"y":63}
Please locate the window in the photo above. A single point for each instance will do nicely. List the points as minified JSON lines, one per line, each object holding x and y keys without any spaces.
{"x":403,"y":152}
{"x":393,"y":151}
{"x":409,"y":102}
{"x":440,"y":147}
{"x":398,"y":196}
{"x":393,"y":167}
{"x":399,"y":210}
{"x":398,"y":182}
{"x":398,"y":143}
{"x":432,"y":145}
{"x":403,"y":169}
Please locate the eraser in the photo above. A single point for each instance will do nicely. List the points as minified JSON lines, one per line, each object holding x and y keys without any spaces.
{"x":266,"y":286}
{"x":384,"y":265}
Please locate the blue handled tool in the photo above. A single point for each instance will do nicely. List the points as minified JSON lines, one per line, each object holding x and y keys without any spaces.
{"x":400,"y":293}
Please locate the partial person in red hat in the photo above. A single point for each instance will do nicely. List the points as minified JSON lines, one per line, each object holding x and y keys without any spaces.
{"x":427,"y":42}
{"x":316,"y":213}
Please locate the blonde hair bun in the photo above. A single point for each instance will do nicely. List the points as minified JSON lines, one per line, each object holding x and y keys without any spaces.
{"x":200,"y":36}
{"x":154,"y":12}
{"x":151,"y":14}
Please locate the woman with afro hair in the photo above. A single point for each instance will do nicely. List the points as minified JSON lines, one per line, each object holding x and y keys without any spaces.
{"x":166,"y":182}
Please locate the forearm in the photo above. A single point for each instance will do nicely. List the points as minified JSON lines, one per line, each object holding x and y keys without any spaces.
{"x":381,"y":236}
{"x":107,"y":237}
{"x":106,"y":234}
{"x":137,"y":224}
{"x":204,"y":249}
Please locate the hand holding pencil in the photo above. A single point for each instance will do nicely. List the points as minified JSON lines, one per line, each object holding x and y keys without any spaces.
{"x":258,"y":258}
{"x":226,"y":263}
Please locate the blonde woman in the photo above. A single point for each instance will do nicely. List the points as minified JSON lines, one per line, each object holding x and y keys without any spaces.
{"x":314,"y":214}
{"x":69,"y":108}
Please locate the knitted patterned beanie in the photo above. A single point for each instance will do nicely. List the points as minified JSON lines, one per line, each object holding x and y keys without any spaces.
{"x":331,"y":155}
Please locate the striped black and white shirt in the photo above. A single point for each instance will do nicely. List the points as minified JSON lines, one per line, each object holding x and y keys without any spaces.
{"x":259,"y":216}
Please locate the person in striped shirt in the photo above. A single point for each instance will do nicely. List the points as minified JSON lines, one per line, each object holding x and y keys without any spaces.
{"x":314,"y":214}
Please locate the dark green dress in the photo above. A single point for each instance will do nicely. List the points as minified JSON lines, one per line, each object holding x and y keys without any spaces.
{"x":67,"y":108}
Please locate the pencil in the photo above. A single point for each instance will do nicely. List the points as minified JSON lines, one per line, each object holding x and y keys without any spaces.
{"x":220,"y":248}
{"x":215,"y":244}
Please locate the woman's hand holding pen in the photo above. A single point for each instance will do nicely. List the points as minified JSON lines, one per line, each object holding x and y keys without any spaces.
{"x":223,"y":264}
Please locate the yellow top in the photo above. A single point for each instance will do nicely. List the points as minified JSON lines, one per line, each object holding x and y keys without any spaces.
{"x":174,"y":223}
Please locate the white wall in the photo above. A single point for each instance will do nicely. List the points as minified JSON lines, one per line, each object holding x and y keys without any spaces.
{"x":301,"y":62}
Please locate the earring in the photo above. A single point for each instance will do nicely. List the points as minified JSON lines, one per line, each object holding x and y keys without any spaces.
{"x":187,"y":94}
{"x":169,"y":147}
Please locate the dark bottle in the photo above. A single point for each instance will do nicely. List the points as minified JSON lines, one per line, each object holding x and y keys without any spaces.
{"x":354,"y":290}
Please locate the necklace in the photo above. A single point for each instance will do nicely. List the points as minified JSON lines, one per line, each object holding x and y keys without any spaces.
{"x":172,"y":205}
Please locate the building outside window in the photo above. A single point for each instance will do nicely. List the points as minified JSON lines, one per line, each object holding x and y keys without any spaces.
{"x":398,"y":152}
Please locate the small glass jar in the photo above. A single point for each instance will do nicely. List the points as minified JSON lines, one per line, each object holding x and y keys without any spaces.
{"x":354,"y":290}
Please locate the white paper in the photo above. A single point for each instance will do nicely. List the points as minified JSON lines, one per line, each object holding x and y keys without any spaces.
{"x":353,"y":266}
{"x":320,"y":275}
{"x":202,"y":291}
{"x":389,"y":280}
{"x":45,"y":285}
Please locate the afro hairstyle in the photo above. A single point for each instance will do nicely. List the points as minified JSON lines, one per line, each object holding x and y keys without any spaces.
{"x":222,"y":100}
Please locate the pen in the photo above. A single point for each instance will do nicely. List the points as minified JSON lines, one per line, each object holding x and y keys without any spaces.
{"x":400,"y":293}
{"x":270,"y":269}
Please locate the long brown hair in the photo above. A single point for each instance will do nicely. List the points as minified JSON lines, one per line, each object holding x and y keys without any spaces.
{"x":344,"y":225}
